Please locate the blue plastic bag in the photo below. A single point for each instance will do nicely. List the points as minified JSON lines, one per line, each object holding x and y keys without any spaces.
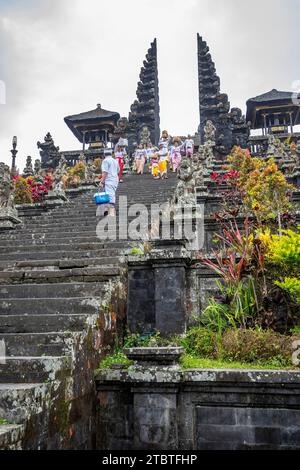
{"x":101,"y":198}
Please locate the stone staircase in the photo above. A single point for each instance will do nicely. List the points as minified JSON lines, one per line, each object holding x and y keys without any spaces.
{"x":62,"y":299}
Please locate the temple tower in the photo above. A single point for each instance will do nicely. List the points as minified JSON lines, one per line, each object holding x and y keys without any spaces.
{"x":231,"y":126}
{"x":147,"y":111}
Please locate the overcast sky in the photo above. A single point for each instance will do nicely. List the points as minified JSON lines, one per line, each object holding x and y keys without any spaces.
{"x":61,"y":57}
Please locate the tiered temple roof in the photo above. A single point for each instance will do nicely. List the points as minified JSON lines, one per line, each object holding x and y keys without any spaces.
{"x":231,"y":126}
{"x":274,"y":102}
{"x":90,"y":125}
{"x":145,"y":111}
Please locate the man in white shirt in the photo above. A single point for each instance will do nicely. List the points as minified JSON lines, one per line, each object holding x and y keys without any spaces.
{"x":110,"y":180}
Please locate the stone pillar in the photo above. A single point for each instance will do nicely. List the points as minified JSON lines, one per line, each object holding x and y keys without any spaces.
{"x":141,"y":291}
{"x":170,"y":297}
{"x":155,"y":418}
{"x":157,"y":291}
{"x":155,"y":404}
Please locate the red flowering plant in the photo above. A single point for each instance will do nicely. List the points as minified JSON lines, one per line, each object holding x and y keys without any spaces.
{"x":38,"y":188}
{"x":230,"y":191}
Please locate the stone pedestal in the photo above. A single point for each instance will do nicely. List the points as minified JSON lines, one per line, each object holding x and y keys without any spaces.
{"x":55,"y":198}
{"x":9,"y":218}
{"x":155,"y":357}
{"x":155,"y":408}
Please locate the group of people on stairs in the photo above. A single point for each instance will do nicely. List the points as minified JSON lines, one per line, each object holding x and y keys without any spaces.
{"x":168,"y":153}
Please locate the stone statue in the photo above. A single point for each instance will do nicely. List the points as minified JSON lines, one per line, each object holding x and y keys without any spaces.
{"x":206,"y":151}
{"x":8,"y":213}
{"x":121,"y":129}
{"x":281,"y":155}
{"x":209,"y":132}
{"x":59,"y":173}
{"x":90,"y":172}
{"x":197,"y":167}
{"x":185,"y":193}
{"x":145,"y":136}
{"x":6,"y":187}
{"x":49,"y":153}
{"x":28,"y":170}
{"x":81,"y":158}
{"x":37,"y":167}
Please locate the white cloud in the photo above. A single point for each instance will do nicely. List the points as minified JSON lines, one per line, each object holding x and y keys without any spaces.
{"x":60,"y":57}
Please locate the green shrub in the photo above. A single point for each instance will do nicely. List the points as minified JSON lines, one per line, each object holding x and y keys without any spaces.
{"x":23,"y":194}
{"x":240,"y":345}
{"x":136,"y":251}
{"x":137,"y":340}
{"x":291,"y":285}
{"x":191,"y":362}
{"x":201,"y":341}
{"x":117,"y":358}
{"x":216,"y":316}
{"x":257,"y":345}
{"x":284,"y":252}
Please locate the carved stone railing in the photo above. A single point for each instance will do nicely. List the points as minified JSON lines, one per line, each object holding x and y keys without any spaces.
{"x":259,"y":144}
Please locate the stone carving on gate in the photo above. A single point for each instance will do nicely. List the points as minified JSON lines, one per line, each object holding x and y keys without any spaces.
{"x":8,"y":213}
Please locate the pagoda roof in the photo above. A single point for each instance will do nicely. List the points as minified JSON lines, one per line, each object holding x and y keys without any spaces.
{"x":96,"y":117}
{"x":272,"y":99}
{"x":273,"y":95}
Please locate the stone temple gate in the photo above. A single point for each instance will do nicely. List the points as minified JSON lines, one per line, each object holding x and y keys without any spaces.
{"x":95,"y":128}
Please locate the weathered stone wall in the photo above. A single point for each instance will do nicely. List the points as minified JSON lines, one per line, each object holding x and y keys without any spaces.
{"x":198,"y":410}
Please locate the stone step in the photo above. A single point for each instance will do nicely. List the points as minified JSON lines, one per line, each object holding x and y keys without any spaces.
{"x":42,"y":255}
{"x":45,"y":323}
{"x":48,"y":233}
{"x":65,"y":275}
{"x":50,"y":306}
{"x":34,"y":369}
{"x":59,"y":241}
{"x":70,"y":223}
{"x":66,"y":290}
{"x":152,"y":197}
{"x":19,"y":401}
{"x":57,"y":229}
{"x":21,"y":248}
{"x":11,"y":265}
{"x":39,"y":344}
{"x":11,"y":436}
{"x":84,"y":210}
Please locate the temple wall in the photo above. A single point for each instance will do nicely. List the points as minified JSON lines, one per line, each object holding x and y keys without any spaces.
{"x":198,"y":410}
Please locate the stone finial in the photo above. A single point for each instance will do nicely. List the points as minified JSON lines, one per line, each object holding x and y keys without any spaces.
{"x":37,"y":167}
{"x":28,"y":170}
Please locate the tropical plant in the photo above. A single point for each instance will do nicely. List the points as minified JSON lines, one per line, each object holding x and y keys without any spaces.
{"x":74,"y":176}
{"x":241,"y":161}
{"x":23,"y":193}
{"x":40,"y":187}
{"x":291,"y":285}
{"x":233,"y":260}
{"x":216,"y":316}
{"x":267,"y":194}
{"x":283,"y":252}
